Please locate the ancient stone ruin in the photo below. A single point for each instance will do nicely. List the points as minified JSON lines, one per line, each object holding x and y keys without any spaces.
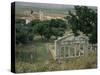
{"x":71,"y":46}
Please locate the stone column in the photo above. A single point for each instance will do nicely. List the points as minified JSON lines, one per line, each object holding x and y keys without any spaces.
{"x":64,"y":51}
{"x":86,"y":46}
{"x":75,"y":50}
{"x":68,"y":51}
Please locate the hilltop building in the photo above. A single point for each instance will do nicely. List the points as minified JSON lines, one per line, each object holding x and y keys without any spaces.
{"x":34,"y":15}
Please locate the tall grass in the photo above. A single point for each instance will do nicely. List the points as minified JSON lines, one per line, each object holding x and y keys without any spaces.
{"x":41,"y":60}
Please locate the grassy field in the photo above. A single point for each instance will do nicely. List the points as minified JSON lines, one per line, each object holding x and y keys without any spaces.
{"x":35,"y":57}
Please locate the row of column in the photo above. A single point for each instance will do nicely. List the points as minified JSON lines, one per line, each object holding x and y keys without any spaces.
{"x":73,"y":50}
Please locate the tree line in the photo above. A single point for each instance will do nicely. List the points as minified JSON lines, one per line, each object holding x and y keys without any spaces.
{"x":46,"y":29}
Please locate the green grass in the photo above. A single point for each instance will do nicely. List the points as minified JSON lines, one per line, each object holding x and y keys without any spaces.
{"x":42,"y":60}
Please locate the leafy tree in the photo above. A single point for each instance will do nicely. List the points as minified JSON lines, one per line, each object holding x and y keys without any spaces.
{"x":58,"y":27}
{"x":21,"y":33}
{"x":43,"y":29}
{"x":34,"y":22}
{"x":58,"y":23}
{"x":57,"y":32}
{"x":39,"y":28}
{"x":47,"y":34}
{"x":30,"y":33}
{"x":48,"y":31}
{"x":24,"y":32}
{"x":85,"y":20}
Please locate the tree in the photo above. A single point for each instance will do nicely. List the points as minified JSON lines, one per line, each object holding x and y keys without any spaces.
{"x":34,"y":22}
{"x":58,"y":23}
{"x":24,"y":32}
{"x":85,"y":20}
{"x":58,"y":27}
{"x":21,"y":34}
{"x":40,"y":28}
{"x":47,"y":33}
{"x":30,"y":33}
